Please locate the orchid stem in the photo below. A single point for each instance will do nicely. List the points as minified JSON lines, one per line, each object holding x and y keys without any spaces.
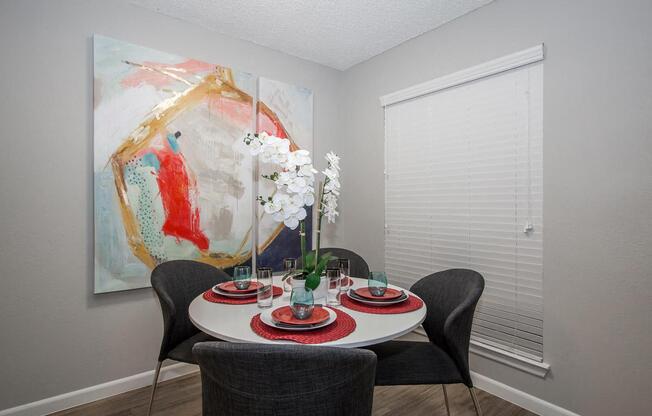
{"x":321,"y":207}
{"x":302,"y":234}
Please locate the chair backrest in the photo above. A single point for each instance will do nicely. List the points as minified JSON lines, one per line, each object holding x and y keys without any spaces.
{"x":451,"y":297}
{"x":262,"y":379}
{"x":176,"y":284}
{"x":359,"y":267}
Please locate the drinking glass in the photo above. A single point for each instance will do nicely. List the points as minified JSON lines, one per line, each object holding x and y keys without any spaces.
{"x":334,"y":281}
{"x":289,"y":266}
{"x":242,"y":277}
{"x":345,"y":270}
{"x":302,"y":302}
{"x":265,"y":293}
{"x":377,"y":283}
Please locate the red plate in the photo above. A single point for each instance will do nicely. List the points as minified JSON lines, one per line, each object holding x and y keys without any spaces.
{"x":230,"y":287}
{"x":389,"y":294}
{"x":284,"y":315}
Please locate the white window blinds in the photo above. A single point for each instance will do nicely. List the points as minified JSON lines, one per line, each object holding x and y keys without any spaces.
{"x":464,"y":190}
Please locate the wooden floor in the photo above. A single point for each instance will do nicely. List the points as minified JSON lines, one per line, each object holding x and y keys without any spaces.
{"x":182,"y":397}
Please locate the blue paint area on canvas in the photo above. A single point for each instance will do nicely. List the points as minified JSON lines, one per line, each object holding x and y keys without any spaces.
{"x":286,"y":244}
{"x":150,"y":159}
{"x":116,"y":268}
{"x":174,"y":144}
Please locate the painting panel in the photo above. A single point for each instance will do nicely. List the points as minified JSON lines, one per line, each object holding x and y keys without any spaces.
{"x":285,"y":111}
{"x":172,"y":178}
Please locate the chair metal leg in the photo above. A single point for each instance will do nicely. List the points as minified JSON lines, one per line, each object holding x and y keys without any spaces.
{"x":476,"y":403}
{"x":154,"y":384}
{"x":448,"y":410}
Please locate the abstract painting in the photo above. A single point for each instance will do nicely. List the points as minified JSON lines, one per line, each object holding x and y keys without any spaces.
{"x":285,"y":111}
{"x":172,"y":177}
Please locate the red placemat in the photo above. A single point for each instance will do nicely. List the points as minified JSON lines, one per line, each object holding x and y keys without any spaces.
{"x":211,"y":296}
{"x":343,"y":326}
{"x":411,"y":304}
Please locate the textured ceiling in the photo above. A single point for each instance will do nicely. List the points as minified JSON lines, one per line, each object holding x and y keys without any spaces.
{"x":336,"y":33}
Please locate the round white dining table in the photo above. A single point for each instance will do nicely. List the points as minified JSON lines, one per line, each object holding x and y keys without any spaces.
{"x":232,"y":322}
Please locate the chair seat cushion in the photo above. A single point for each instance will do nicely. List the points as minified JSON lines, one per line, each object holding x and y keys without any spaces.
{"x":183,"y":351}
{"x":411,"y":362}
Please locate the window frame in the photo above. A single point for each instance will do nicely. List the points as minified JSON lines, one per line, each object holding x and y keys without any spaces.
{"x":487,"y":69}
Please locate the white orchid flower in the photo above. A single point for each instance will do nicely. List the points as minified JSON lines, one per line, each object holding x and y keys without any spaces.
{"x":331,"y":174}
{"x":285,"y":178}
{"x":333,"y":160}
{"x":330,"y":214}
{"x":298,"y":158}
{"x":297,"y":199}
{"x":298,"y":185}
{"x":255,"y":146}
{"x":283,"y":147}
{"x":271,"y":207}
{"x":291,"y":210}
{"x":280,"y":199}
{"x":278,"y":216}
{"x":295,"y":180}
{"x":307,"y":171}
{"x":292,"y":223}
{"x":274,"y":154}
{"x":273,"y":149}
{"x":332,"y":185}
{"x":330,"y":200}
{"x":309,"y":199}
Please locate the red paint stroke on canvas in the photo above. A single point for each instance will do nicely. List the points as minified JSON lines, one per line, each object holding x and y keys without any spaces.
{"x":157,"y":79}
{"x":178,"y":193}
{"x":236,"y":111}
{"x":270,"y":125}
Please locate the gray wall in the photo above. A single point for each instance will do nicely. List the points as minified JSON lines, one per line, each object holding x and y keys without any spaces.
{"x":56,"y":336}
{"x":597,"y":182}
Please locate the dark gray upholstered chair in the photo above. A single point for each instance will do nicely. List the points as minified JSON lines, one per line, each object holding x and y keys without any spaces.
{"x":285,"y":380}
{"x":359,"y":267}
{"x":451,"y":297}
{"x":176,"y":284}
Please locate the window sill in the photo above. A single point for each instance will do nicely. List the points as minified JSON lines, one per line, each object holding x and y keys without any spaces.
{"x":533,"y":367}
{"x":520,"y":363}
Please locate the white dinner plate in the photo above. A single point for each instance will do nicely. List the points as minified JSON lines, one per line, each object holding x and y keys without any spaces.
{"x":217,"y":290}
{"x":360,"y":299}
{"x":266,"y":318}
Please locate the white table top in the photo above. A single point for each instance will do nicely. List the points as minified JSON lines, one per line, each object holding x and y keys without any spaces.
{"x":232,"y":322}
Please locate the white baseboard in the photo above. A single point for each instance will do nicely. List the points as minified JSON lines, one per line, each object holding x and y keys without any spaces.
{"x":520,"y":398}
{"x":97,"y":392}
